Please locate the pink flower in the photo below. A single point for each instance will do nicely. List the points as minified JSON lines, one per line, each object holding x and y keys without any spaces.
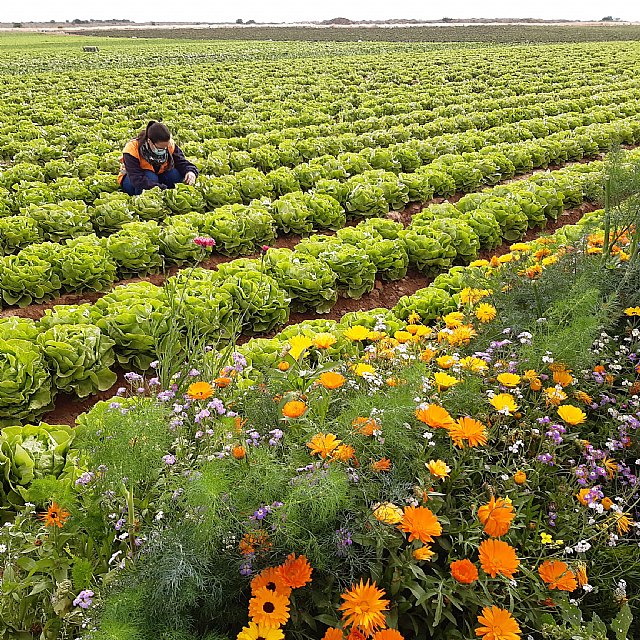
{"x":264,"y":248}
{"x":204,"y":241}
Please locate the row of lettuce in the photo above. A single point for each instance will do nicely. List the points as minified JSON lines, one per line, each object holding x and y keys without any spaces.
{"x":138,"y":245}
{"x":437,"y":236}
{"x":72,"y":348}
{"x":266,"y":152}
{"x":247,"y":106}
{"x":472,"y":159}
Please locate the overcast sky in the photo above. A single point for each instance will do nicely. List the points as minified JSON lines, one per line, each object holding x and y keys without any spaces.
{"x":283,"y":11}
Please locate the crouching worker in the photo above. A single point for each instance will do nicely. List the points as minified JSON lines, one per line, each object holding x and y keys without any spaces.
{"x":153,"y":159}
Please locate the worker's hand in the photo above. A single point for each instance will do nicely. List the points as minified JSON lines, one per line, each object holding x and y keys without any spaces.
{"x":190,"y":178}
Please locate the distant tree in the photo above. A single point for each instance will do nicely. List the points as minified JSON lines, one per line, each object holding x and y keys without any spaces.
{"x":17,"y":25}
{"x":447,"y":19}
{"x":239,"y":21}
{"x":251,"y":21}
{"x":51,"y":21}
{"x":607,"y":19}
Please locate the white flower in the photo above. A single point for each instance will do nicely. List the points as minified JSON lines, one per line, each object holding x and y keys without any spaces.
{"x":582,"y":547}
{"x":3,"y":548}
{"x":587,"y":587}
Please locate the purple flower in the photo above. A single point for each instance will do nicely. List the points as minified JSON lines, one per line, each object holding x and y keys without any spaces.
{"x":84,"y":599}
{"x":132,"y":377}
{"x":194,"y":373}
{"x":85,"y":478}
{"x":169,"y":459}
{"x":154,"y":382}
{"x":165,"y":396}
{"x":545,"y":458}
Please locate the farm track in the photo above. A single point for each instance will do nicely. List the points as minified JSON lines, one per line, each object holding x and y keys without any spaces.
{"x":385,"y":294}
{"x":289,"y":241}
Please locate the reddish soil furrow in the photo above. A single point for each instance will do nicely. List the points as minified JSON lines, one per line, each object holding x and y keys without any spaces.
{"x":385,"y":294}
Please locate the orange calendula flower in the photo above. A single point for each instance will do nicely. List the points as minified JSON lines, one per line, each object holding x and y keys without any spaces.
{"x":438,"y":469}
{"x":572,"y":415}
{"x":563,"y":377}
{"x":356,"y":634}
{"x":294,"y":409}
{"x":323,"y":445}
{"x":496,"y":516}
{"x":331,"y":380}
{"x":238,"y":452}
{"x":364,"y":606}
{"x":508,"y":380}
{"x":632,"y":311}
{"x":271,"y":579}
{"x":464,"y":571}
{"x":324,"y":340}
{"x":468,"y":430}
{"x":423,"y":553}
{"x":435,"y":416}
{"x":387,"y":513}
{"x":583,"y":397}
{"x":269,"y":608}
{"x":222,"y":382}
{"x":344,"y":453}
{"x":519,"y":477}
{"x":497,"y":624}
{"x":384,"y":464}
{"x":200,"y":391}
{"x":55,"y":516}
{"x":533,"y":272}
{"x":556,"y":575}
{"x":333,"y":634}
{"x":253,"y":542}
{"x":504,"y":403}
{"x":283,"y":366}
{"x":365,"y":426}
{"x":295,"y":572}
{"x":607,"y":503}
{"x":498,"y":557}
{"x":421,"y":524}
{"x":582,"y":496}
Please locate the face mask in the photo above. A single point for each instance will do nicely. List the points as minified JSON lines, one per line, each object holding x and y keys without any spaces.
{"x":160,"y":155}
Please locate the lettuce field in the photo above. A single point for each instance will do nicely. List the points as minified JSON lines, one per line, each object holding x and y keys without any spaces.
{"x":376,"y":375}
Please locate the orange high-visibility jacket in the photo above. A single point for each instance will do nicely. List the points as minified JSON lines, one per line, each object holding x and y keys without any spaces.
{"x":132,"y":149}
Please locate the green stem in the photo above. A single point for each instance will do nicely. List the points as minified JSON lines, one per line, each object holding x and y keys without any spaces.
{"x":131,"y":518}
{"x":607,"y":216}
